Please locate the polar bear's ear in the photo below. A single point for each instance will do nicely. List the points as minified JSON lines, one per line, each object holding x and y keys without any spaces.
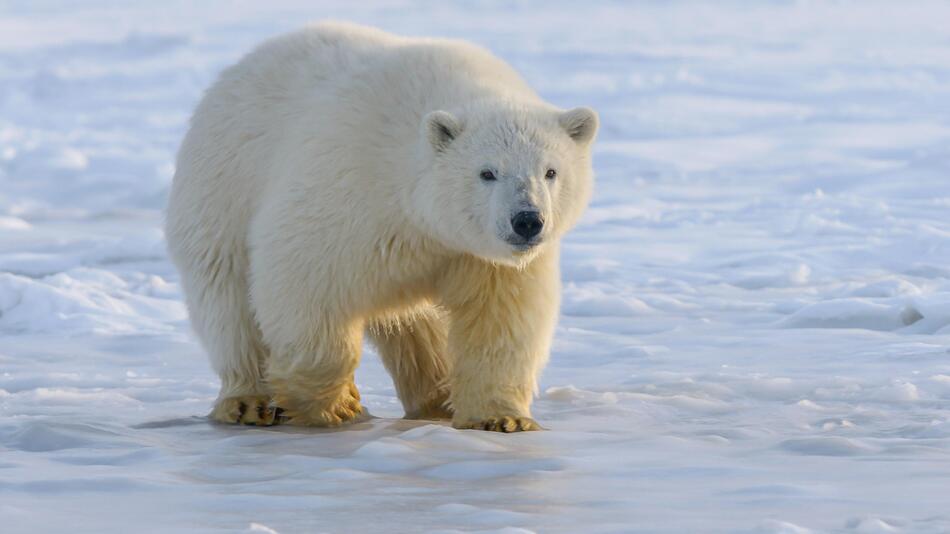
{"x":580,"y":123}
{"x":441,"y":128}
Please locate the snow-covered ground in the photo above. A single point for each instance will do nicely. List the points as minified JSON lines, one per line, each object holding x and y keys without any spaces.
{"x":756,"y":314}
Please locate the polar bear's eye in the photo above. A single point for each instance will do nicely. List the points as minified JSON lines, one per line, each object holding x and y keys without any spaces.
{"x":487,"y":175}
{"x":551,"y":174}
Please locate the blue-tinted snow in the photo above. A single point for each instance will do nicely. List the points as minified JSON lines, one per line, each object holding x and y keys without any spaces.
{"x":756,"y":316}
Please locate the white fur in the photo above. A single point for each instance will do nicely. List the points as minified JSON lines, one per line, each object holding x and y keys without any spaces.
{"x":329,"y":185}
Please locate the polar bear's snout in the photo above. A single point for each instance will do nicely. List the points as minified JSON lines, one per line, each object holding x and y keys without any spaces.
{"x":526,"y":225}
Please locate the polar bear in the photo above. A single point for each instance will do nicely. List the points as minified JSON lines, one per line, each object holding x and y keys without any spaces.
{"x":341,"y":181}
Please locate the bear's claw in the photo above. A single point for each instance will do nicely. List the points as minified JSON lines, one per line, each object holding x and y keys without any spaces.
{"x":343,"y":409}
{"x":505,"y":424}
{"x":253,"y":410}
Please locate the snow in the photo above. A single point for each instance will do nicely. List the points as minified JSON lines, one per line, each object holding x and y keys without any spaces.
{"x":755,"y":334}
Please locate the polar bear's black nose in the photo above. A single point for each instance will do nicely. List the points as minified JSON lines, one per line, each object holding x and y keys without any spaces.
{"x":527,"y":224}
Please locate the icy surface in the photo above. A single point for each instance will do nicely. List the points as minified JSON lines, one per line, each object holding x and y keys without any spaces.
{"x":756,"y":313}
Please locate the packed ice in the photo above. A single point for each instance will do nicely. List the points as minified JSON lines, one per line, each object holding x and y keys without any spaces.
{"x":755,"y":330}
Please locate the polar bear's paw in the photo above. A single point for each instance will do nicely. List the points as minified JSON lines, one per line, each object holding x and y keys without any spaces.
{"x":246,"y":410}
{"x":432,"y":410}
{"x":344,"y":408}
{"x":502,"y":424}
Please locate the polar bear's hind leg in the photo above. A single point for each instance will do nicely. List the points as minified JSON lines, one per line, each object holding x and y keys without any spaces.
{"x":413,"y":348}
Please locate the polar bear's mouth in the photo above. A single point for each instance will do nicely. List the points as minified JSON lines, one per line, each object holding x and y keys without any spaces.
{"x":521,"y":244}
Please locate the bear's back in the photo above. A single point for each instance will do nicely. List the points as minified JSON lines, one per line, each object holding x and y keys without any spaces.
{"x":365,"y":68}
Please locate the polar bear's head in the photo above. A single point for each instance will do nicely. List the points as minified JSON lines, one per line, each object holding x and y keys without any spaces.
{"x":500,"y":183}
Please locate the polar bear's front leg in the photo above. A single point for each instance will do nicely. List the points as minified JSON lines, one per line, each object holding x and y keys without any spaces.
{"x":501,"y":327}
{"x":312,"y":379}
{"x":298,"y":299}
